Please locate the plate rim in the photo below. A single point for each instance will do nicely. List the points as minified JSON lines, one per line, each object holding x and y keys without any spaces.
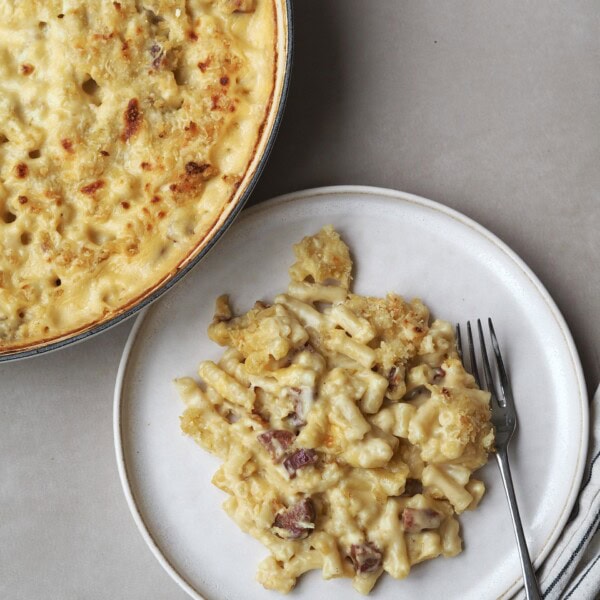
{"x":340,"y":191}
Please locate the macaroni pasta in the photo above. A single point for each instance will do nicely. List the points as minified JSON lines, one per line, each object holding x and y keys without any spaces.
{"x":126,"y":129}
{"x":347,"y":426}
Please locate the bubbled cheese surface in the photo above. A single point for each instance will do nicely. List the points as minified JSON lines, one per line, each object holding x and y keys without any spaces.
{"x":126,"y":129}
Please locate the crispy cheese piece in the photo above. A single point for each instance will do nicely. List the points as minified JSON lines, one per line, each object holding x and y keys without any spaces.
{"x":322,"y":257}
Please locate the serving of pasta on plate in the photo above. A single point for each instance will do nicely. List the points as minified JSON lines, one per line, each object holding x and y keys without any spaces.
{"x":348,"y":427}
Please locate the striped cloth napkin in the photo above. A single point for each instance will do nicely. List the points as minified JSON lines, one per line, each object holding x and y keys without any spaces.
{"x":572,"y":569}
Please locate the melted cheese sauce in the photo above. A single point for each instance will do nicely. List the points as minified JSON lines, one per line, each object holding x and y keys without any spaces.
{"x":125,"y":129}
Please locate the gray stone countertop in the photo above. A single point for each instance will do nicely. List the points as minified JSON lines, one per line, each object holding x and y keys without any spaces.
{"x":492,"y":108}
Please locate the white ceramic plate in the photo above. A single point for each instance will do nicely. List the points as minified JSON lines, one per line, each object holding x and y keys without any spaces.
{"x":400,"y":243}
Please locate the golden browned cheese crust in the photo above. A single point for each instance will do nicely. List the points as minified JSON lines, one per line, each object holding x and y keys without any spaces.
{"x":125,"y":129}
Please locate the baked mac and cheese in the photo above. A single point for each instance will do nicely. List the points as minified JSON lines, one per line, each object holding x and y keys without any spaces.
{"x":125,"y":130}
{"x":348,"y":427}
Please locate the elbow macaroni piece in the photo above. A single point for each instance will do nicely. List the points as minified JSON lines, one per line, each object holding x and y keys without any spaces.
{"x":348,"y":433}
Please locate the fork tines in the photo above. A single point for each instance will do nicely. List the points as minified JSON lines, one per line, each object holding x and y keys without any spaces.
{"x":505,"y":397}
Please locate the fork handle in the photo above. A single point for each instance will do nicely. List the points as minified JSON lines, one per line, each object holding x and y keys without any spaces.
{"x":530,"y":583}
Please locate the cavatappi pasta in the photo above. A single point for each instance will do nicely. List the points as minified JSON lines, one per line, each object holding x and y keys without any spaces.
{"x":126,"y":128}
{"x":348,"y":428}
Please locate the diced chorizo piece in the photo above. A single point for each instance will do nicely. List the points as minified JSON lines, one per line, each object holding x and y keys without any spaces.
{"x":298,"y":460}
{"x":303,"y":399}
{"x":297,"y":522}
{"x":276,"y":442}
{"x":366,"y":557}
{"x":415,"y":520}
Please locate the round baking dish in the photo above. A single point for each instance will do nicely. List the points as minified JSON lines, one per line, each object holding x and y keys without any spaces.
{"x":264,"y":144}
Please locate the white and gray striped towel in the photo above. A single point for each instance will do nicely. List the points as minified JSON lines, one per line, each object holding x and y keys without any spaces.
{"x":572,"y":569}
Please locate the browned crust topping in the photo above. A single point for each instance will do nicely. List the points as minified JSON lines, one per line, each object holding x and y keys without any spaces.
{"x":22,"y":170}
{"x":67,"y":145}
{"x":243,"y":6}
{"x":193,"y":168}
{"x":92,"y":188}
{"x":203,"y":65}
{"x":132,"y":118}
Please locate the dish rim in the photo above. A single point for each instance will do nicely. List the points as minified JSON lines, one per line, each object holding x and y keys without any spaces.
{"x":135,"y":306}
{"x":339,"y":190}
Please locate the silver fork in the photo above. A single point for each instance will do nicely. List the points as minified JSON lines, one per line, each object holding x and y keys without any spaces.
{"x":504,"y":419}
